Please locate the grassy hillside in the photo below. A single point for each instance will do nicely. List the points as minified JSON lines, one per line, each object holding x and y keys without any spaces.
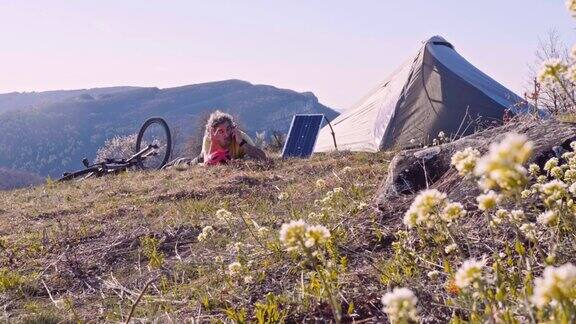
{"x":86,"y":250}
{"x":492,"y":240}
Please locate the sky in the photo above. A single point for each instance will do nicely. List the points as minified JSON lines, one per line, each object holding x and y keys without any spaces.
{"x":337,"y":49}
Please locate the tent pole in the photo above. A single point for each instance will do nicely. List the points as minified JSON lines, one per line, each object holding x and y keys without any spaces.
{"x":332,"y":131}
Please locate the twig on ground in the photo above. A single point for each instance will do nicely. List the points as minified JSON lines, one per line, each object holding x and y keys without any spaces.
{"x":140,"y":297}
{"x":50,"y":294}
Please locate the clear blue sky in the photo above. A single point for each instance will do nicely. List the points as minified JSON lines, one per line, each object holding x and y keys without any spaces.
{"x":337,"y":49}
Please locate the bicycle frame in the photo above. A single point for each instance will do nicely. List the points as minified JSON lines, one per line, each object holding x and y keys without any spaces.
{"x":136,"y":160}
{"x":112,"y":166}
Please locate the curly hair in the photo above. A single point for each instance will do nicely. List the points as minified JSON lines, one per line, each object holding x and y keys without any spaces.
{"x":217,"y":118}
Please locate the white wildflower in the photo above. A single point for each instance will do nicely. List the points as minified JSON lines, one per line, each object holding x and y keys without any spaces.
{"x":400,"y":305}
{"x":552,"y":163}
{"x":525,"y":193}
{"x":553,"y":191}
{"x":346,"y":170}
{"x":554,"y":285}
{"x":292,"y":233}
{"x":425,"y":208}
{"x":263,"y":231}
{"x":450,"y":248}
{"x":297,"y":233}
{"x":570,"y":72}
{"x":568,"y":155}
{"x":234,"y":269}
{"x":557,"y":172}
{"x":223,"y":214}
{"x":469,"y":272}
{"x":548,"y":218}
{"x":541,"y":179}
{"x":248,"y":280}
{"x":488,"y":200}
{"x":410,"y":218}
{"x":326,"y":210}
{"x":441,"y":135}
{"x":433,"y":274}
{"x":502,"y":167}
{"x":453,"y":211}
{"x":465,"y":161}
{"x":517,"y":216}
{"x":572,"y":189}
{"x":206,"y":232}
{"x":316,"y":235}
{"x":534,"y":169}
{"x":320,"y":183}
{"x":283,"y":196}
{"x":237,"y":247}
{"x":500,"y":216}
{"x":571,"y":6}
{"x":529,"y":230}
{"x":551,"y":71}
{"x":361,"y":206}
{"x":570,"y":176}
{"x":338,"y":190}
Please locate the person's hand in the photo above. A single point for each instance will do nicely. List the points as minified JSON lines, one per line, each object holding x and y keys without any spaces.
{"x":215,"y":134}
{"x":236,"y":135}
{"x":218,"y":157}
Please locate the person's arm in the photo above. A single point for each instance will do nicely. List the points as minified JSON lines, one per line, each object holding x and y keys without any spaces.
{"x":206,"y":143}
{"x":252,"y":151}
{"x":248,"y":146}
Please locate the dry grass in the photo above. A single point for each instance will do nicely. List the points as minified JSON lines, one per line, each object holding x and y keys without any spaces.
{"x":85,"y":250}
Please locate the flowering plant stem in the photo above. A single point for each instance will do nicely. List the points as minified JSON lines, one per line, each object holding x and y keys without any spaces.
{"x":252,"y":232}
{"x":563,"y":85}
{"x":335,"y":305}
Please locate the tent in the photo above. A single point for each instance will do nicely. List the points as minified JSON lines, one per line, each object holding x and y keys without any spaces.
{"x":436,"y":90}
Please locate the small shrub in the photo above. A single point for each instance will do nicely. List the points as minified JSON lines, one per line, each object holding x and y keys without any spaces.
{"x":118,"y":147}
{"x":10,"y":280}
{"x":149,"y":247}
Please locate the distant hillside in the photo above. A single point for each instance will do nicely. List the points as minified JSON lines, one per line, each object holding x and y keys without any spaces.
{"x":11,"y":179}
{"x":49,"y":133}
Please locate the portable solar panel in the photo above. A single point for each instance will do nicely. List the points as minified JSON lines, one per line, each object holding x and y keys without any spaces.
{"x":302,"y":136}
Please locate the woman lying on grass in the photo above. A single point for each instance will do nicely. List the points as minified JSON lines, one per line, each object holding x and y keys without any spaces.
{"x":223,"y":141}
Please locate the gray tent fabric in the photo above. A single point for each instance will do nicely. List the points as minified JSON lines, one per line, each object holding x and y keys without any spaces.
{"x":437,"y":90}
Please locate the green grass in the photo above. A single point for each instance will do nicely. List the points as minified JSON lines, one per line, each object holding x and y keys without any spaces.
{"x":96,"y":243}
{"x":205,"y":243}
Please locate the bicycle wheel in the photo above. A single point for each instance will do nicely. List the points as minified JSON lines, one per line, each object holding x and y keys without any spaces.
{"x":154,"y":131}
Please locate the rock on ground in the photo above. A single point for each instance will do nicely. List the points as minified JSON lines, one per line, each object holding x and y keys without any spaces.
{"x":413,"y":170}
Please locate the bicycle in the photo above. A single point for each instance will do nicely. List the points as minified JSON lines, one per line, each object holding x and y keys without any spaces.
{"x":153,"y":149}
